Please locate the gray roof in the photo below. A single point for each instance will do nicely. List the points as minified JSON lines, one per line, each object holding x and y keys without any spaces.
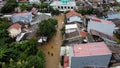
{"x":39,"y":18}
{"x":113,"y":16}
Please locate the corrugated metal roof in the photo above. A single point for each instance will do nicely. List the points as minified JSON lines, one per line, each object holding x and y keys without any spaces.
{"x":91,"y":49}
{"x":71,"y":26}
{"x":101,"y":20}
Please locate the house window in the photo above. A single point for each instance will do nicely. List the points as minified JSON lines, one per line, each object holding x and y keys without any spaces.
{"x":68,"y":7}
{"x":65,"y":7}
{"x":68,"y":19}
{"x":58,"y":7}
{"x":71,"y":7}
{"x":61,"y":7}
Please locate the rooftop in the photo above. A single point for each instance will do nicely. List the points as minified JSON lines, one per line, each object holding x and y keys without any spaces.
{"x":73,"y":34}
{"x":90,"y":49}
{"x":83,"y":33}
{"x":57,"y":3}
{"x":71,"y":13}
{"x":16,"y":26}
{"x":101,"y":21}
{"x":71,"y":26}
{"x":21,"y":14}
{"x":23,"y":0}
{"x":113,"y":16}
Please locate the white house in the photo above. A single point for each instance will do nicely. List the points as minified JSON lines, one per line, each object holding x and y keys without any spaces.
{"x":63,"y":5}
{"x":34,"y":1}
{"x":14,"y":30}
{"x":73,"y":16}
{"x":103,"y":26}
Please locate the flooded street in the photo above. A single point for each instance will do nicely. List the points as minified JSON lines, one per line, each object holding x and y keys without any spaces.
{"x":52,"y":48}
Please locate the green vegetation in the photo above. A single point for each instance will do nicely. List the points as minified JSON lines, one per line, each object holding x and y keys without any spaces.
{"x":4,"y":39}
{"x":23,"y":55}
{"x":117,"y":35}
{"x":44,"y":8}
{"x":47,"y":27}
{"x":19,"y":55}
{"x":84,"y":11}
{"x":9,"y":6}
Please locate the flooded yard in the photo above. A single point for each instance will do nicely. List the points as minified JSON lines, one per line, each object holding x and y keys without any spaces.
{"x":52,"y":48}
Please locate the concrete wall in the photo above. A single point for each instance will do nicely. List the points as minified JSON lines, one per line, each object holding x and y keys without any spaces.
{"x":81,"y":62}
{"x":101,"y":27}
{"x":73,"y":19}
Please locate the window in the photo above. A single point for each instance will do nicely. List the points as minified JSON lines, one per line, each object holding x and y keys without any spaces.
{"x":61,"y":7}
{"x":68,"y":7}
{"x":65,"y":7}
{"x":71,"y":7}
{"x":58,"y":7}
{"x":68,"y":19}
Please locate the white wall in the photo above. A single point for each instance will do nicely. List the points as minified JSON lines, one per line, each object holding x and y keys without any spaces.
{"x":14,"y":32}
{"x":74,"y":18}
{"x":101,"y":27}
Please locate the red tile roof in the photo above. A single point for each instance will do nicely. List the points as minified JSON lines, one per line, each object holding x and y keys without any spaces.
{"x":91,"y":49}
{"x":16,"y":26}
{"x":83,"y":34}
{"x":71,"y":13}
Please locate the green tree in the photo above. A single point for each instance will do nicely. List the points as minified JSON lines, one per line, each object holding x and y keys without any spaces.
{"x":47,"y":28}
{"x":23,"y":7}
{"x":4,"y":38}
{"x":9,"y":6}
{"x":37,"y":61}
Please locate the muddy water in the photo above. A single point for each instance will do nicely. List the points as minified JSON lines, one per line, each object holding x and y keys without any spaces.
{"x":52,"y":48}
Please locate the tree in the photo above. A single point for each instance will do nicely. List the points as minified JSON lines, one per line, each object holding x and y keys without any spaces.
{"x":4,"y":38}
{"x":55,"y":12}
{"x":37,"y":61}
{"x":9,"y":6}
{"x":23,"y":7}
{"x":33,"y":44}
{"x":22,"y":55}
{"x":47,"y":28}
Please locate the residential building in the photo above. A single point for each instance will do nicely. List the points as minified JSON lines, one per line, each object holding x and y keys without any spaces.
{"x":34,"y":1}
{"x":2,"y":3}
{"x":14,"y":30}
{"x":113,"y":16}
{"x":103,"y":26}
{"x":40,"y":17}
{"x":73,"y":16}
{"x":87,"y":55}
{"x":72,"y":32}
{"x":25,"y":17}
